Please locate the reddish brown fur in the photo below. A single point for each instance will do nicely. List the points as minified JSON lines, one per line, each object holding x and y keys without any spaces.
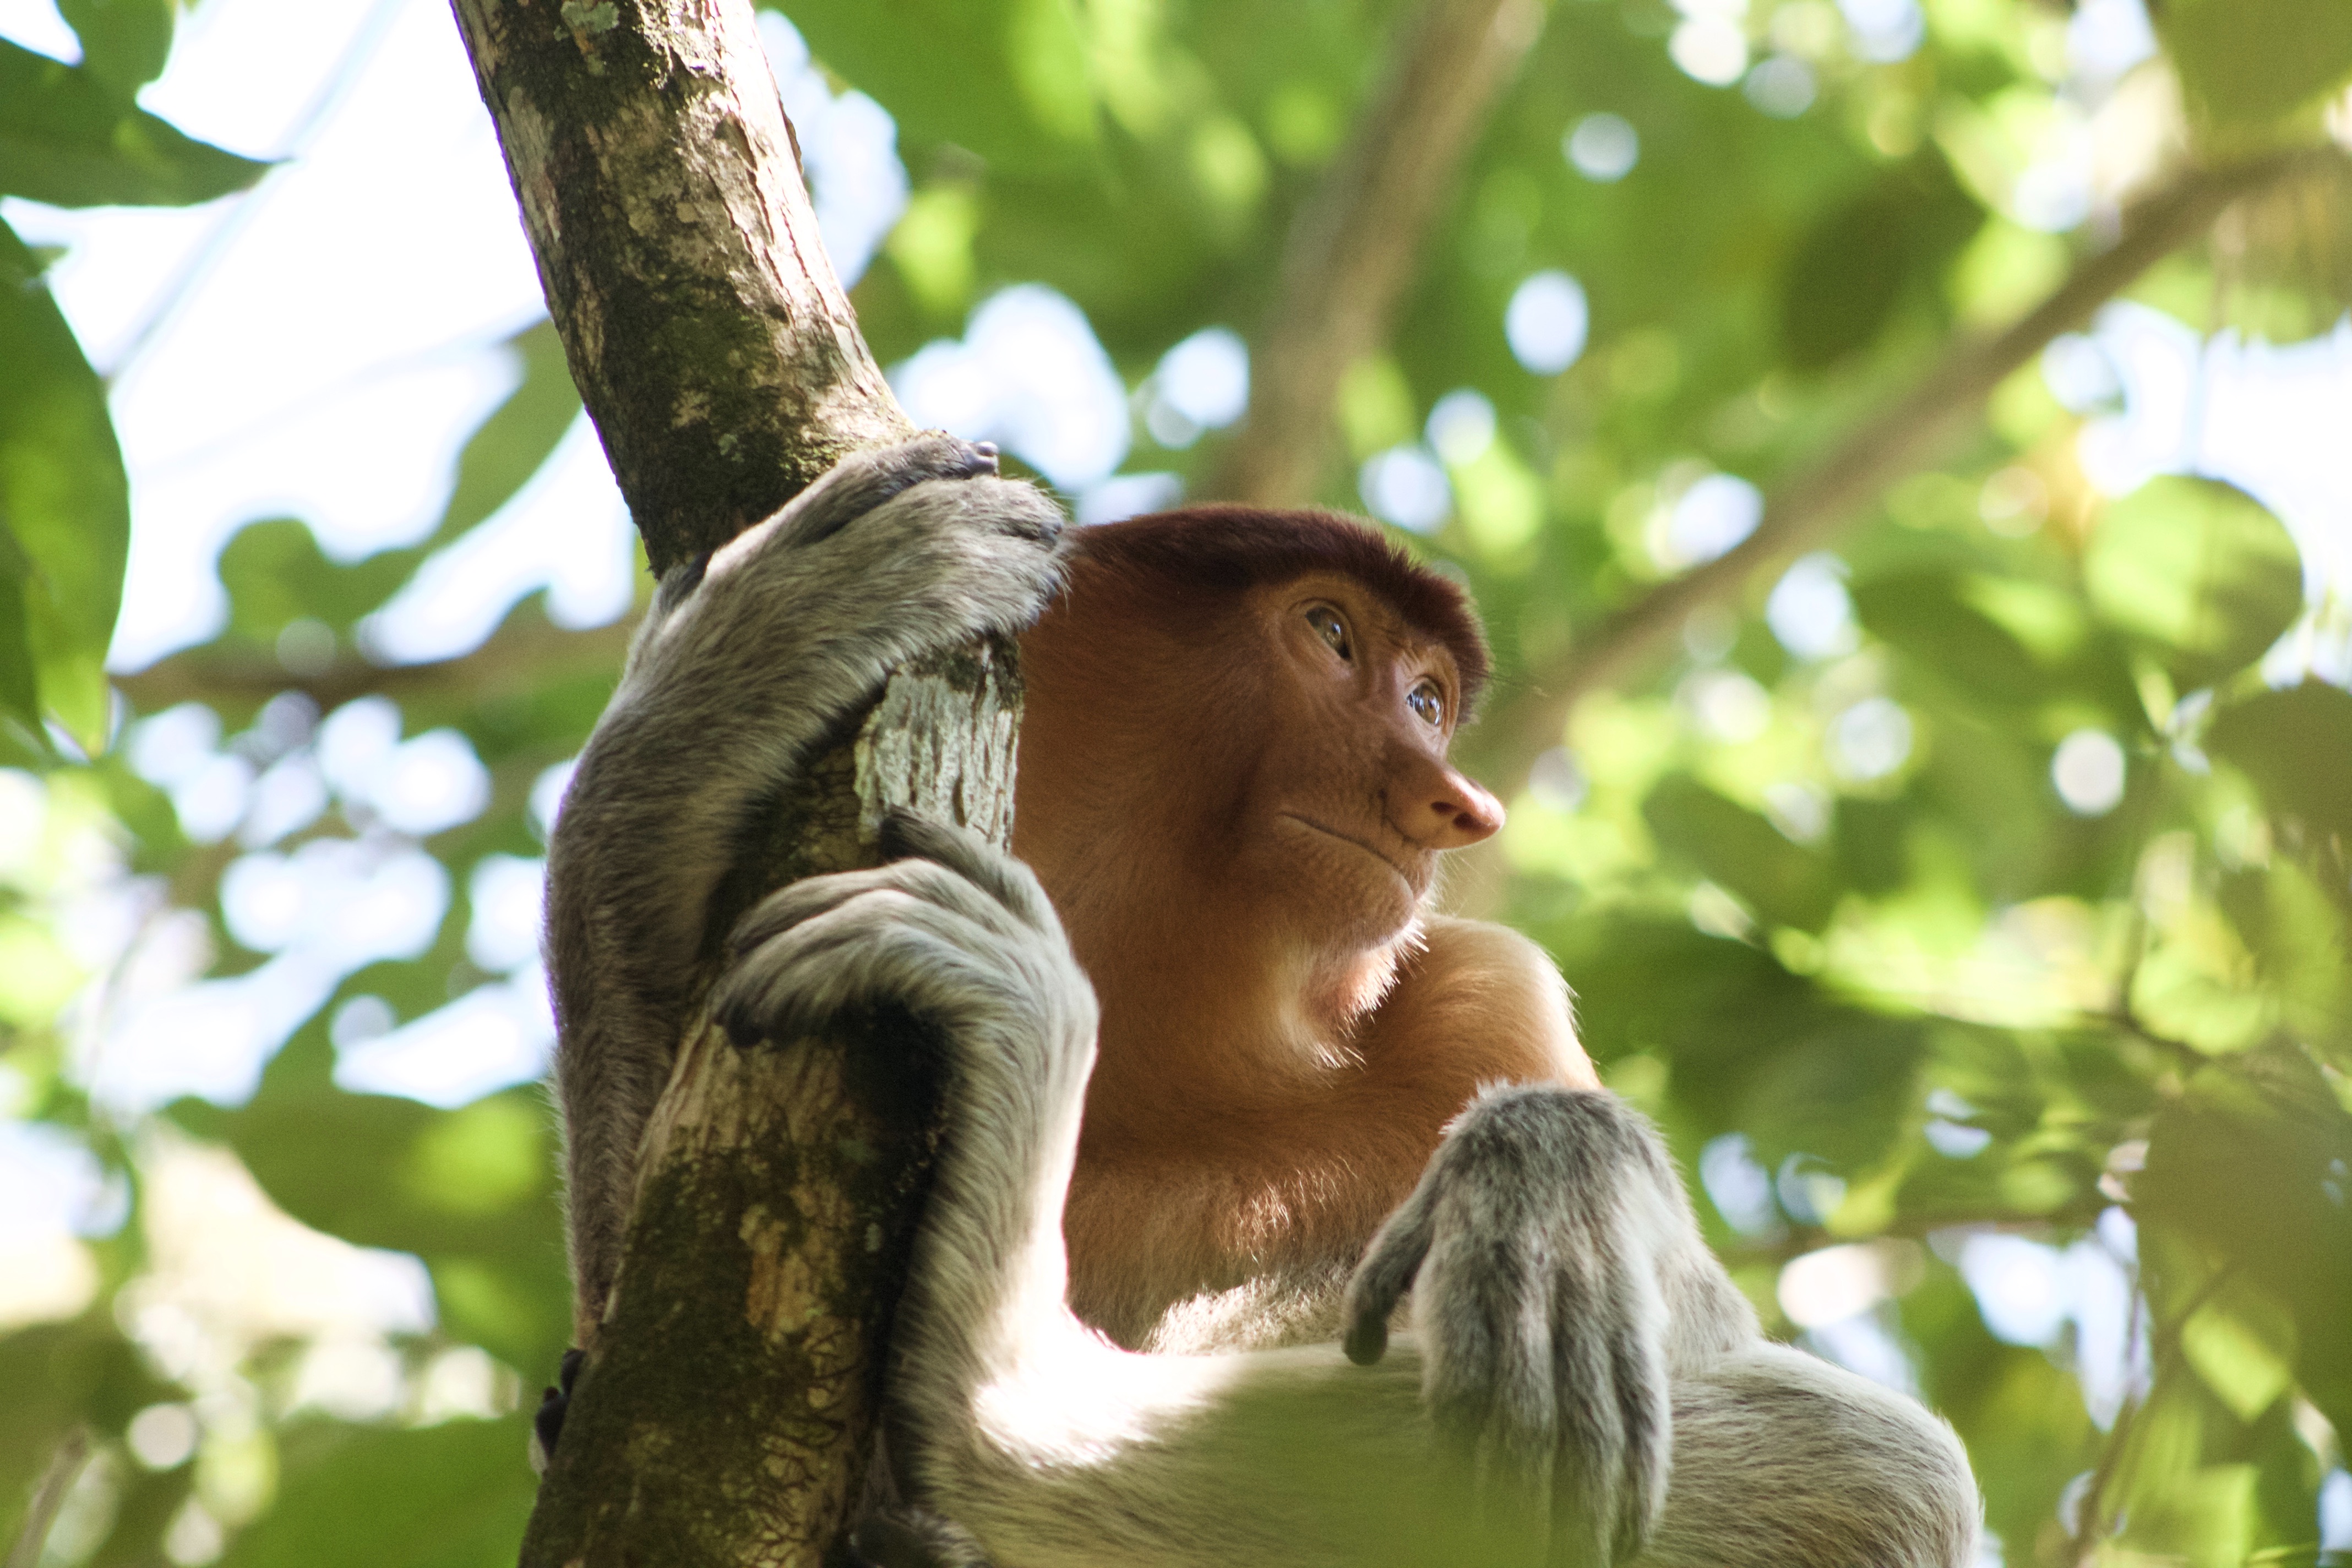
{"x":1241,"y":833}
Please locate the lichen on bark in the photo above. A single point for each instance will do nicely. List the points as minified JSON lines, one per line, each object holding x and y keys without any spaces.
{"x":728,"y":1414}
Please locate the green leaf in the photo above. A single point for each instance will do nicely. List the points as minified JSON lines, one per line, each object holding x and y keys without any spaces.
{"x":1848,"y":275}
{"x":56,"y":1374}
{"x":124,"y":43}
{"x":471,"y":1191}
{"x":2296,"y":747}
{"x":509,"y":446}
{"x":2247,"y":64}
{"x":63,"y":503}
{"x":1926,"y":615}
{"x":1004,"y":78}
{"x":69,"y":138}
{"x":1782,"y":883}
{"x":275,"y":571}
{"x":2199,"y":568}
{"x":2254,"y":1164}
{"x":20,"y":692}
{"x":453,"y":1496}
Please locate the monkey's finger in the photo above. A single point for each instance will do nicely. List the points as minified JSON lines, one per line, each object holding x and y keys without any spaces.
{"x":924,"y":879}
{"x":882,"y":947}
{"x":1388,"y":1270}
{"x":868,"y":478}
{"x":1607,"y":1358}
{"x":1013,"y":885}
{"x":1002,"y":506}
{"x":1641,"y":1380}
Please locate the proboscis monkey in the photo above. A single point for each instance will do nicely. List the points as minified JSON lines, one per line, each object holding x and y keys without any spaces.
{"x":1252,"y":1097}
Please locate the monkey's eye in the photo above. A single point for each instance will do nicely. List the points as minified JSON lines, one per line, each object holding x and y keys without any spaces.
{"x":1330,"y":629}
{"x":1429,"y":703}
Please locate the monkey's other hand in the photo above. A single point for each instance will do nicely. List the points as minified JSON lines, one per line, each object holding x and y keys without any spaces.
{"x":1535,"y":1236}
{"x":894,"y":551}
{"x":958,"y":933}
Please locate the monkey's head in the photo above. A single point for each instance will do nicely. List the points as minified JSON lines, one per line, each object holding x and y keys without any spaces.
{"x":1245,"y":714}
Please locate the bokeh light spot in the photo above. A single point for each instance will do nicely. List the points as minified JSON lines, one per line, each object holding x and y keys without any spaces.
{"x":2088,"y":770}
{"x":1546,"y":323}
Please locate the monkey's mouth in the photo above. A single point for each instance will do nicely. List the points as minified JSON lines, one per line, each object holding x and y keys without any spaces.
{"x":1371,"y":850}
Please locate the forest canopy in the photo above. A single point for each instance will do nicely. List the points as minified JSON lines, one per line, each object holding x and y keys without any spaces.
{"x":1897,"y":446}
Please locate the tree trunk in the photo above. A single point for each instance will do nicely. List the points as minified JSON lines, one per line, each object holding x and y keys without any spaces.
{"x":711,"y":343}
{"x":730,"y":1409}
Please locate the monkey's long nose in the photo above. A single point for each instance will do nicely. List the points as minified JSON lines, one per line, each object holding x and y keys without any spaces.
{"x":1434,"y":806}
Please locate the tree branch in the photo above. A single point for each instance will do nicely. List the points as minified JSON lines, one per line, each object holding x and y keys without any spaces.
{"x":523,"y":655}
{"x":711,"y":342}
{"x":1810,"y":506}
{"x":1356,"y":243}
{"x":729,"y":1404}
{"x":48,"y":1497}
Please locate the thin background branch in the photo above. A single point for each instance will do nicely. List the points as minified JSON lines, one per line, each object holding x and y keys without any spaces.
{"x":1812,"y":506}
{"x":1358,"y":241}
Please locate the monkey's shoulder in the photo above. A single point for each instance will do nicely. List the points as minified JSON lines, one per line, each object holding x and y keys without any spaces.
{"x":1492,"y":999}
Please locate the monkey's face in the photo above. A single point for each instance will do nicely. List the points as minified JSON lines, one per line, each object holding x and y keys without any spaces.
{"x":1348,"y":798}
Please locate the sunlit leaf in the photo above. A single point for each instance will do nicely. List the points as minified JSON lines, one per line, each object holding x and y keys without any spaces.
{"x":2244,"y":64}
{"x":470,"y":1190}
{"x":1004,"y":78}
{"x":275,"y":571}
{"x":69,"y":138}
{"x":1782,"y":881}
{"x":2296,"y":747}
{"x":20,"y":692}
{"x":2242,"y":1344}
{"x":509,"y":446}
{"x":2198,"y":569}
{"x":1845,"y":281}
{"x":2254,"y":1164}
{"x":63,"y":500}
{"x":124,"y":43}
{"x":1926,"y":613}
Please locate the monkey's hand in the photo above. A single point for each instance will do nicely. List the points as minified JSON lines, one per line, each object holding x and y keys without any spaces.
{"x":871,"y":565}
{"x":1536,"y":1238}
{"x":747,"y":665}
{"x":955,"y":933}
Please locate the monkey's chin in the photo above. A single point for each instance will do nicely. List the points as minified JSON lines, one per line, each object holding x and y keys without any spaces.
{"x":1347,"y":891}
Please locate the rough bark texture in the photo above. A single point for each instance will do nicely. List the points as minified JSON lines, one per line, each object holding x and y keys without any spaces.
{"x":1358,"y":243}
{"x":730,"y":1411}
{"x":711,"y":343}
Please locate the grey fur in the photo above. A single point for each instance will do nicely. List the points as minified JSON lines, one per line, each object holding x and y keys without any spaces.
{"x":1582,"y":1383}
{"x":744,"y":666}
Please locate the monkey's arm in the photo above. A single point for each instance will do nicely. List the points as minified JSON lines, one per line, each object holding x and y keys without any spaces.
{"x":1051,"y":1446}
{"x":1580,"y":1342}
{"x":746,"y":664}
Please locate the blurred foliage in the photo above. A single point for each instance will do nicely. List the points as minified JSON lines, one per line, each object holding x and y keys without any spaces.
{"x":1990,"y":896}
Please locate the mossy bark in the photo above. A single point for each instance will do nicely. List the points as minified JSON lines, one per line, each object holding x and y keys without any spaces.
{"x":661,"y":187}
{"x":728,"y":1413}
